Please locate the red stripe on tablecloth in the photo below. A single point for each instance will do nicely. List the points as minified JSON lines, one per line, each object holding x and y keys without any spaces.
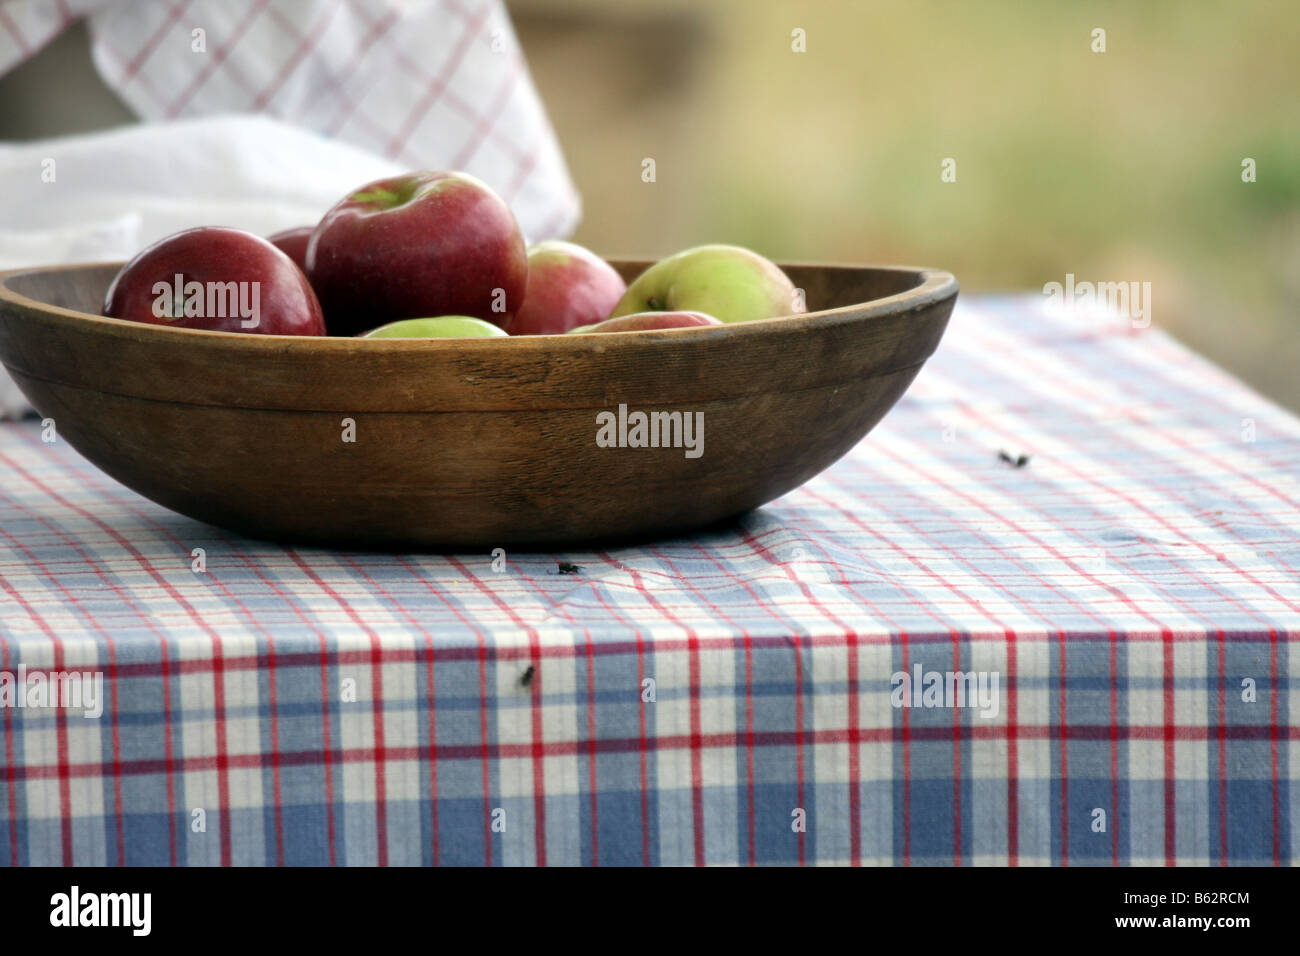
{"x":218,"y":57}
{"x":305,"y":45}
{"x":697,"y":755}
{"x":375,"y":660}
{"x":174,"y":14}
{"x":855,"y":755}
{"x":672,"y":742}
{"x":398,"y":143}
{"x":539,"y":764}
{"x":643,"y":749}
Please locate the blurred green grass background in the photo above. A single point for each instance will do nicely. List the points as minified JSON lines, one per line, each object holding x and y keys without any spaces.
{"x":1115,"y":166}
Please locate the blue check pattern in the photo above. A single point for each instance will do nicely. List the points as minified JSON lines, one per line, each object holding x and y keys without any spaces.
{"x":732,"y":697}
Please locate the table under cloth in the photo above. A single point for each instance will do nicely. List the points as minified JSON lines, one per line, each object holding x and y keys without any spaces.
{"x":732,"y":697}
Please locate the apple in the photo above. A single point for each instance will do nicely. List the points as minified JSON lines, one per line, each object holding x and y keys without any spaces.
{"x":648,"y":321}
{"x":425,"y":243}
{"x":440,"y":327}
{"x":728,"y":282}
{"x":293,"y":243}
{"x":224,"y":280}
{"x":568,"y":286}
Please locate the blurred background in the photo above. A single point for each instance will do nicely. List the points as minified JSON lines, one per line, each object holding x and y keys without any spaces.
{"x":1117,"y":166}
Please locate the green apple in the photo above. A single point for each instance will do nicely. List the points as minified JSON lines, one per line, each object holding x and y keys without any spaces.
{"x":729,"y":282}
{"x":441,"y":327}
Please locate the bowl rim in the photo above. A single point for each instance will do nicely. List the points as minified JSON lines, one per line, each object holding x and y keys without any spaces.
{"x":934,"y":285}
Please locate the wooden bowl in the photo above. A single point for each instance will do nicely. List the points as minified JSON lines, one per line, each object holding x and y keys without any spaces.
{"x":467,"y":443}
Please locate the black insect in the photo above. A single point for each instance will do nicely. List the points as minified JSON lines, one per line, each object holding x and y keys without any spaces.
{"x":567,"y":568}
{"x":1018,"y":462}
{"x":527,"y":677}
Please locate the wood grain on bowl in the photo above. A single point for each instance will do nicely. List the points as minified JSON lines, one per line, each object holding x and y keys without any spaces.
{"x":467,"y":443}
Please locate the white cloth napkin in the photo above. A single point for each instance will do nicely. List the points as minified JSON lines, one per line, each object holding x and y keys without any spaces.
{"x":330,"y":94}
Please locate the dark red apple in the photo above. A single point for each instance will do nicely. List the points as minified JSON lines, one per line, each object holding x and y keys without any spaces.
{"x":427,"y":243}
{"x":225,"y":280}
{"x":568,"y":286}
{"x":649,"y":321}
{"x":293,"y":243}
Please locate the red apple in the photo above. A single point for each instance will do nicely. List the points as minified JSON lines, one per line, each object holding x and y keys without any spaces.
{"x":293,"y":243}
{"x":648,"y":321}
{"x":225,"y":280}
{"x":568,"y":286}
{"x":426,"y":243}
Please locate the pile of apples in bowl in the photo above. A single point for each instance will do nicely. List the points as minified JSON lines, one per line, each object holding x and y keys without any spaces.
{"x":407,"y":374}
{"x":431,"y":255}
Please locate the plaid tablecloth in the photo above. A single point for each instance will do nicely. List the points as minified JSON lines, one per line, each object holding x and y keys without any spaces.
{"x":1130,"y":591}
